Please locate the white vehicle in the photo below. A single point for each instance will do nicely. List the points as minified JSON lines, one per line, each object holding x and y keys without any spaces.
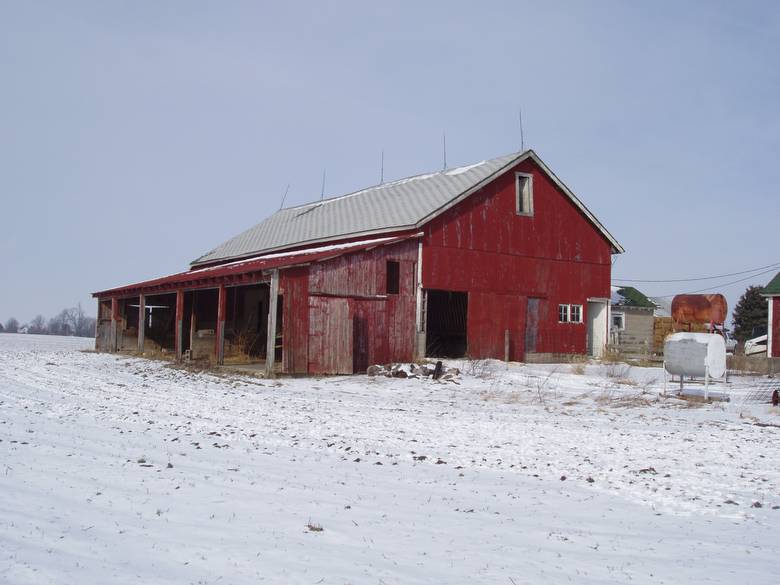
{"x":731,"y":343}
{"x":756,"y":346}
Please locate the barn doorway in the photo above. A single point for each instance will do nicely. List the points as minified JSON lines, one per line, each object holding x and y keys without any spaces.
{"x":597,"y":328}
{"x":246,"y":323}
{"x":160,"y":316}
{"x":445,"y":323}
{"x":532,"y":318}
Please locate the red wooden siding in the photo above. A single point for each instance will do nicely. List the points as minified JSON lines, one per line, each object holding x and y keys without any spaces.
{"x":492,"y":314}
{"x":483,"y":247}
{"x":330,"y":336}
{"x":382,"y":326}
{"x":294,"y":288}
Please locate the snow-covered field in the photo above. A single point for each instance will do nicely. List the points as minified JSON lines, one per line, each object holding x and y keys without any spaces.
{"x":120,"y":470}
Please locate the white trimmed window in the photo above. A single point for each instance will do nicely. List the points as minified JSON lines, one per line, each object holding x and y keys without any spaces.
{"x":618,"y":321}
{"x":524,"y":192}
{"x":569,"y":313}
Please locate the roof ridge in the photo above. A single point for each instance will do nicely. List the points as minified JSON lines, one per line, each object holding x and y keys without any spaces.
{"x":405,"y":203}
{"x":446,"y":171}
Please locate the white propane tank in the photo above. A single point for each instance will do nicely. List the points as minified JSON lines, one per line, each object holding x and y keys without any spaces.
{"x":693,"y":354}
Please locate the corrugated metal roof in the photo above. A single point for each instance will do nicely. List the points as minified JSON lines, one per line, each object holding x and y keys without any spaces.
{"x":397,"y":205}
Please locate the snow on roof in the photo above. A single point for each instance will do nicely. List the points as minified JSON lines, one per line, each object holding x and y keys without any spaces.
{"x":628,"y":296}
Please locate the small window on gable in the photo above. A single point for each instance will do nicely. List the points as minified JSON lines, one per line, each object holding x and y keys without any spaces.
{"x":563,"y":313}
{"x":524,"y":188}
{"x":393,"y":277}
{"x":575,"y":313}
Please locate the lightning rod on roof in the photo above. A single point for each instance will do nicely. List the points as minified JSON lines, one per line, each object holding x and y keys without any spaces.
{"x":444,"y":146}
{"x":322,"y":191}
{"x":522,"y":140}
{"x":382,"y":167}
{"x":287,"y":190}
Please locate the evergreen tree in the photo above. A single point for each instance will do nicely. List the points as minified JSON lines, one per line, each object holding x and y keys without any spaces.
{"x":751,"y":310}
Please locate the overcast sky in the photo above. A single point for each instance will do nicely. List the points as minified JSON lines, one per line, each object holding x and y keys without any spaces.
{"x":135,"y":136}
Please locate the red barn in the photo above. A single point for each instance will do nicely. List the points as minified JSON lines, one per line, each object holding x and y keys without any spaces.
{"x":772,"y":294}
{"x":497,"y":259}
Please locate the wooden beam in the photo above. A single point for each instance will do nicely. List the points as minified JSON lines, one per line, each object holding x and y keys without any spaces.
{"x":97,"y":328}
{"x":193,"y":322}
{"x":112,"y":344}
{"x":220,"y":341}
{"x":179,"y":319}
{"x":270,"y":340}
{"x":141,"y":322}
{"x":419,"y":310}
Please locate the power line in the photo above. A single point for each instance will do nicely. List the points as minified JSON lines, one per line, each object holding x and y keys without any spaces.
{"x":770,"y":266}
{"x":718,"y":285}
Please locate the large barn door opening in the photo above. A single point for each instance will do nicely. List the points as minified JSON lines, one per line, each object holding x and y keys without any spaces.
{"x":445,"y":323}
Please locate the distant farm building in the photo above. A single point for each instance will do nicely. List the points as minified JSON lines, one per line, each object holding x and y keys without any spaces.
{"x":497,"y":259}
{"x":772,"y":294}
{"x":633,"y":319}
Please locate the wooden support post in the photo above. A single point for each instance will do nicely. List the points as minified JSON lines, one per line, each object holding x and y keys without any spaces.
{"x":97,"y":328}
{"x":419,"y":317}
{"x":141,"y":322}
{"x":179,"y":319}
{"x":220,"y":337}
{"x":112,"y":344}
{"x":270,"y":342}
{"x":193,"y":323}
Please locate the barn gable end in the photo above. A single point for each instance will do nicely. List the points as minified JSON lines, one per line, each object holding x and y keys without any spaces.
{"x":554,"y":256}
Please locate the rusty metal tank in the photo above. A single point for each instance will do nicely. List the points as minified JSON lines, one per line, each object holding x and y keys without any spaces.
{"x":690,"y":309}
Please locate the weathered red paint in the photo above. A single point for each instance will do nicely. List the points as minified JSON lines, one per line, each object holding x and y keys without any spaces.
{"x":381,"y":325}
{"x":483,"y":247}
{"x":294,"y":289}
{"x":330,"y":336}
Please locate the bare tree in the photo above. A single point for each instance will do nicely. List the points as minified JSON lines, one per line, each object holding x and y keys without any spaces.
{"x":58,"y":325}
{"x":37,"y":325}
{"x":72,"y":321}
{"x":12,"y":325}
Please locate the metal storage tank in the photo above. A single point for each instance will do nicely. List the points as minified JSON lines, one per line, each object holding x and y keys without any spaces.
{"x":701,"y":355}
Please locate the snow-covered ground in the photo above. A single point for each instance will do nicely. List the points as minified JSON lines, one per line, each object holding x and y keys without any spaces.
{"x":122,"y":470}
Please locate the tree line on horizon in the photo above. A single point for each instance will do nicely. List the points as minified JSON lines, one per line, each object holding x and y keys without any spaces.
{"x":69,"y":322}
